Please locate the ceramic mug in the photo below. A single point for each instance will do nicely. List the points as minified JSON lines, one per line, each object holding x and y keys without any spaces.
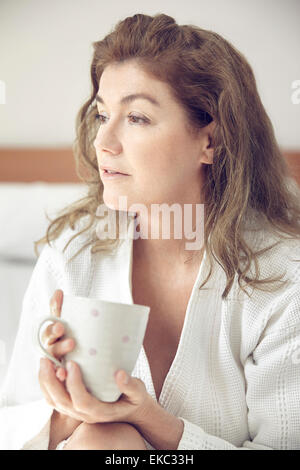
{"x":108,"y":335}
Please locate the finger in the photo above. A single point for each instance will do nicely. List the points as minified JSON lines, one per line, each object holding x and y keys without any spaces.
{"x":53,"y":332}
{"x":61,"y":374}
{"x":81,"y":399}
{"x":56,"y":302}
{"x":63,"y":407}
{"x":53,"y":387}
{"x":42,"y":385}
{"x":60,"y":348}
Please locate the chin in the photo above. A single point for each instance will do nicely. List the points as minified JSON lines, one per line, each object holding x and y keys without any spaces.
{"x":113,"y":202}
{"x":127,"y":203}
{"x":110,"y":205}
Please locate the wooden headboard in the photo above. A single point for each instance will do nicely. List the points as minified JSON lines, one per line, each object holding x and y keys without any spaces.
{"x":56,"y":165}
{"x":293,"y":160}
{"x":52,"y":165}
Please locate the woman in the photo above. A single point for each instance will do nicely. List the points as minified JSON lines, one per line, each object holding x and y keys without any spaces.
{"x":218,"y":368}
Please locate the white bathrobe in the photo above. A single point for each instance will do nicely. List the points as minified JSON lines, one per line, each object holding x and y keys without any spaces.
{"x":235,"y":378}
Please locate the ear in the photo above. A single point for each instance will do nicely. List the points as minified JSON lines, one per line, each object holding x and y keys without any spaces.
{"x":206,"y":149}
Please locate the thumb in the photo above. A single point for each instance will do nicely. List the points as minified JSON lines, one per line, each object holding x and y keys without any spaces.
{"x":122,"y":378}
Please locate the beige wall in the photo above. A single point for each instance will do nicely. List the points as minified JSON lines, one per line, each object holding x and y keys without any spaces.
{"x":46,"y":47}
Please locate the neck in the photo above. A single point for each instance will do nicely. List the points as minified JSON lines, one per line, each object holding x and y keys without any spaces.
{"x":169,"y":239}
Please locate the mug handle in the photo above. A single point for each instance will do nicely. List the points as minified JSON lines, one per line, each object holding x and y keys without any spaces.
{"x":40,"y":344}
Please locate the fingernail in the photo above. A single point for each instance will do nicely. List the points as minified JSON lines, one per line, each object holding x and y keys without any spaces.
{"x":61,"y":374}
{"x":125,"y":379}
{"x":69,"y":366}
{"x":54,"y":308}
{"x":56,"y":328}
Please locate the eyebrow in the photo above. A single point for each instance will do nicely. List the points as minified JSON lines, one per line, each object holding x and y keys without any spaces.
{"x":130,"y":98}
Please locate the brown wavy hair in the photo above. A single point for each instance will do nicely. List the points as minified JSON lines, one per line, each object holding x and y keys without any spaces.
{"x":211,"y":80}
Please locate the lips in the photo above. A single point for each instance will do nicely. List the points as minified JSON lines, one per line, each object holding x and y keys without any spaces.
{"x":115,"y":170}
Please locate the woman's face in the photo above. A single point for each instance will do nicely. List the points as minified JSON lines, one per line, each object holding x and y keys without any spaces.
{"x":146,"y":140}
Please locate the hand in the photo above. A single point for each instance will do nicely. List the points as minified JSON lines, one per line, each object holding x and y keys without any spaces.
{"x":75,"y":401}
{"x":57,"y":344}
{"x":66,"y":392}
{"x":57,"y":347}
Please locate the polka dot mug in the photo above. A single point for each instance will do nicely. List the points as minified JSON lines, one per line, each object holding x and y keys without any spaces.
{"x":108,"y":337}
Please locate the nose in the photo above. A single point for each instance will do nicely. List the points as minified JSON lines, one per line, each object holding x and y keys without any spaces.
{"x":106,"y":140}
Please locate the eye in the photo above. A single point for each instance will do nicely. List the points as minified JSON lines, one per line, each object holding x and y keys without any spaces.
{"x":98,"y":117}
{"x":101,"y":118}
{"x":138,"y":118}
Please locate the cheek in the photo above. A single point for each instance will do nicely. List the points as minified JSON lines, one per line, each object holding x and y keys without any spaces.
{"x":173,"y":149}
{"x":163,"y":156}
{"x":159,"y":157}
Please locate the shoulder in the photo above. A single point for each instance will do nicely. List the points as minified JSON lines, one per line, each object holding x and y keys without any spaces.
{"x":274,"y":306}
{"x":80,"y":237}
{"x":282,"y":257}
{"x":84,"y":234}
{"x":71,"y":238}
{"x":276,"y":254}
{"x":59,"y":255}
{"x":70,"y":256}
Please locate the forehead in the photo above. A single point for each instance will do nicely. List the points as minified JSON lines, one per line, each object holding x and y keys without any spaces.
{"x":130,"y":78}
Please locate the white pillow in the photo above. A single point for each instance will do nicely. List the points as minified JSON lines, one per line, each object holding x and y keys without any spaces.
{"x":22,"y":213}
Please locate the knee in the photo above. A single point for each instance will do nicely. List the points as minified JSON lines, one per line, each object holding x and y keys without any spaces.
{"x":106,"y":436}
{"x":107,"y":432}
{"x":119,"y":436}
